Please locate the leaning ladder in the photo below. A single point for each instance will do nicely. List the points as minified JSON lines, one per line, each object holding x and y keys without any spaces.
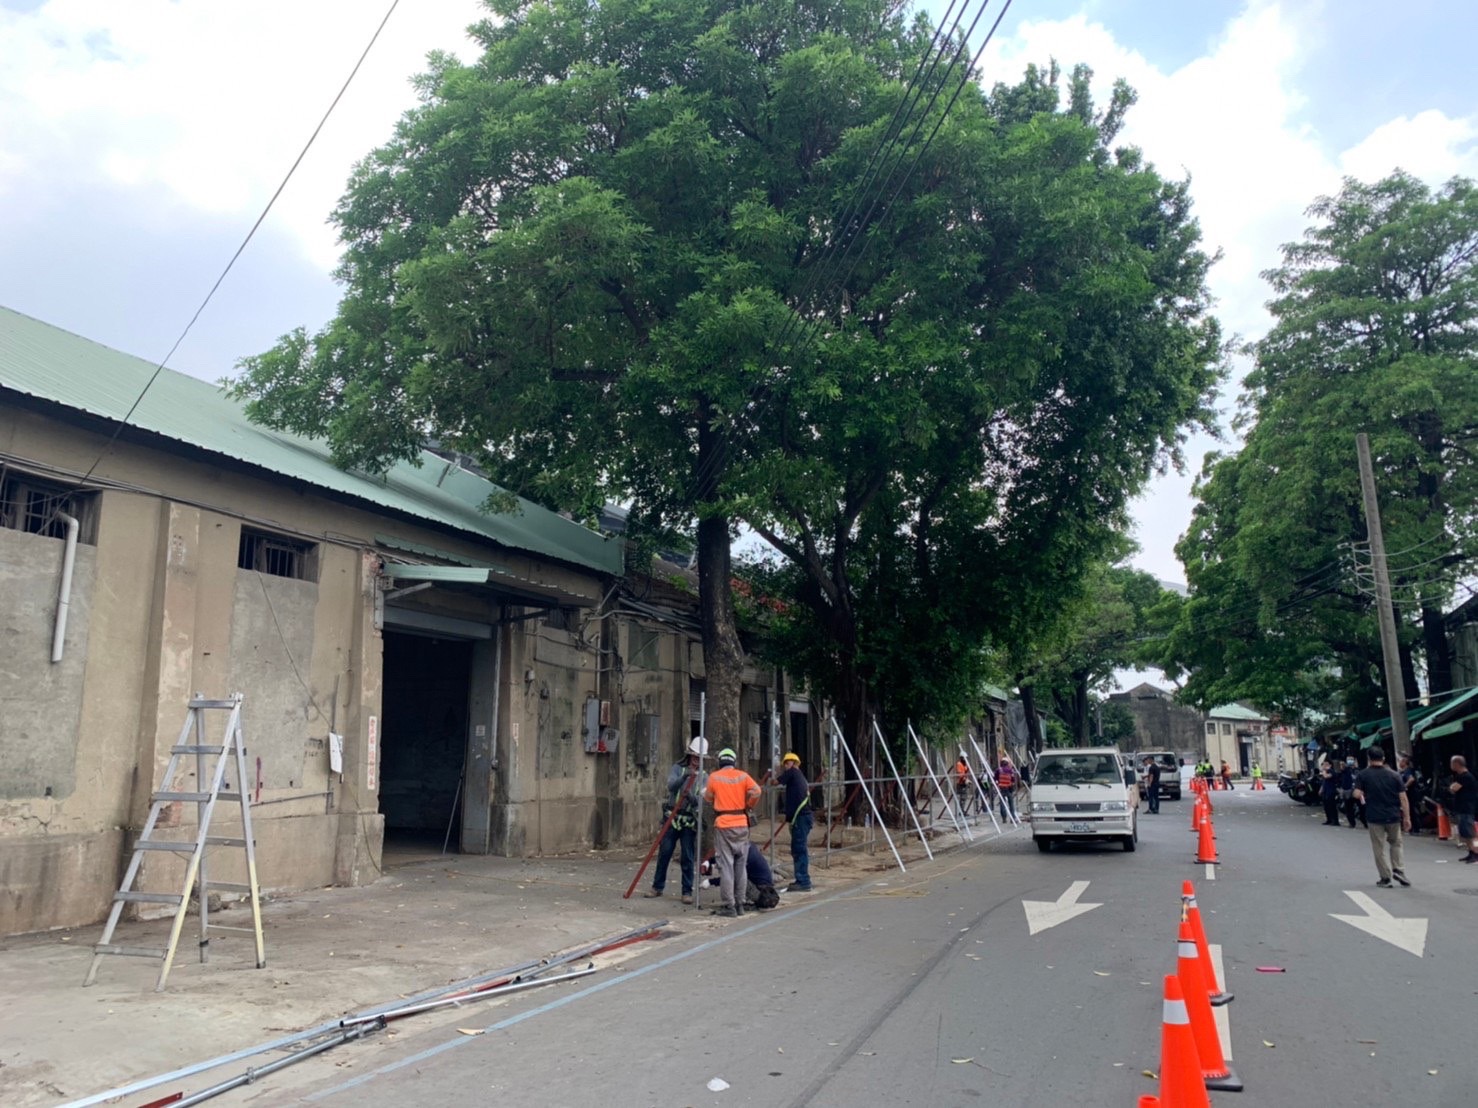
{"x":192,"y":741}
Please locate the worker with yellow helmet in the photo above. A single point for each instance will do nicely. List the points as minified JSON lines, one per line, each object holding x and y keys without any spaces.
{"x":795,"y":809}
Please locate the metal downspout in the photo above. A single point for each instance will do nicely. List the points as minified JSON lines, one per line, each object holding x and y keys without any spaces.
{"x":64,"y":600}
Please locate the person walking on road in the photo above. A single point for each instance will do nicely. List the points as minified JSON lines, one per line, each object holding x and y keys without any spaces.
{"x":1347,"y":801}
{"x":1256,"y":776}
{"x":733,"y":793}
{"x":1006,"y":782}
{"x":1152,"y":785}
{"x":1411,"y":781}
{"x":684,"y":802}
{"x":1226,"y":776}
{"x":1380,"y":790}
{"x":796,"y":811}
{"x":1329,"y":794}
{"x":1463,"y":804}
{"x":962,"y":781}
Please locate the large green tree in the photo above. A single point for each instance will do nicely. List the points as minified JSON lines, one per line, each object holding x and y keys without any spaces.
{"x":622,"y":255}
{"x":1375,"y":330}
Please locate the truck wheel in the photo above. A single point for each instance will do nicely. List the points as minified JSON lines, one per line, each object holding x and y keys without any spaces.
{"x":1044,"y":845}
{"x":1129,"y":844}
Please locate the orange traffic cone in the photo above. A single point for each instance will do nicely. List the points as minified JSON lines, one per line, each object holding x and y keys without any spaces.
{"x":1214,"y":1068}
{"x":1181,"y":1082}
{"x":1196,"y":810}
{"x":1191,"y":914}
{"x":1206,"y":845}
{"x":1149,"y":1100}
{"x":1444,"y":825}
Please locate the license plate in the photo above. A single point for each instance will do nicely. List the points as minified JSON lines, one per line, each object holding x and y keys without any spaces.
{"x":1078,"y":829}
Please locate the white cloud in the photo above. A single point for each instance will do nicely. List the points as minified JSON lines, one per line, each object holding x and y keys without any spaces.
{"x":1235,"y":120}
{"x":206,"y":103}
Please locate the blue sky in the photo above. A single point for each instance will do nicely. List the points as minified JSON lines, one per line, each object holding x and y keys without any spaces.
{"x":139,"y":140}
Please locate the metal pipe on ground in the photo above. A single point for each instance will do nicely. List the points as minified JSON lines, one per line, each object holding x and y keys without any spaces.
{"x":600,"y":946}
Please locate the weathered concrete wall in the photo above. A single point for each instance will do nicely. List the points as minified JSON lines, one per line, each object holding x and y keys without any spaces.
{"x":40,"y":700}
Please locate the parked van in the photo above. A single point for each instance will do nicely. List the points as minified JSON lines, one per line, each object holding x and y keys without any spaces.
{"x":1084,"y":795}
{"x":1169,"y":771}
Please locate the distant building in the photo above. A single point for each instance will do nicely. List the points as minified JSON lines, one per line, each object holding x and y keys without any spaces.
{"x":1160,"y":723}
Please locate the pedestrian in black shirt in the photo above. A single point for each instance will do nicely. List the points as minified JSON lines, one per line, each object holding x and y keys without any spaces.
{"x":1329,"y":794}
{"x":1463,"y":804}
{"x":1380,"y":789}
{"x":1152,"y":785}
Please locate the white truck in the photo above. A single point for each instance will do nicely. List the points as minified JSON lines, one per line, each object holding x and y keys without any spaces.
{"x":1084,"y":795}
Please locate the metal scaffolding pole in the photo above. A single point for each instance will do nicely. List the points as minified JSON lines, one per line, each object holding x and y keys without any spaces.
{"x":1008,"y":809}
{"x":979,"y":788}
{"x":949,"y":807}
{"x":842,"y":742}
{"x":877,"y":733}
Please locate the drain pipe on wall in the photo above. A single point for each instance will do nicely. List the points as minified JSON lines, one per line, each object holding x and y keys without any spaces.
{"x":64,"y":601}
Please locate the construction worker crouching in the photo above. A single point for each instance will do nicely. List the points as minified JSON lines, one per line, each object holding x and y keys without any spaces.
{"x":733,"y":793}
{"x":796,"y":811}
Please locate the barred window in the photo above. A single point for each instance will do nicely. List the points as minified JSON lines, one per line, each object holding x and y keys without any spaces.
{"x":35,"y":506}
{"x":277,"y":555}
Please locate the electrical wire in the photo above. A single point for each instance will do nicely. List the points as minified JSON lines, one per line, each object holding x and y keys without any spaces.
{"x":159,"y":369}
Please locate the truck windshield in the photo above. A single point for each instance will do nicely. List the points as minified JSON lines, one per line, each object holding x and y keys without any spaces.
{"x":1080,"y":769}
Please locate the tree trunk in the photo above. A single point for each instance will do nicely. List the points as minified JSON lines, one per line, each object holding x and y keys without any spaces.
{"x":1434,"y":644}
{"x":1080,"y":710}
{"x":723,"y":657}
{"x":1033,"y":724}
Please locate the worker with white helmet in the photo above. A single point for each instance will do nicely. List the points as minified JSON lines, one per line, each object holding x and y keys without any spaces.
{"x":684,"y":803}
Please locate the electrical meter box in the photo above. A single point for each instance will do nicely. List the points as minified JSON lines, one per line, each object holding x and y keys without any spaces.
{"x":599,"y":738}
{"x":646,"y":739}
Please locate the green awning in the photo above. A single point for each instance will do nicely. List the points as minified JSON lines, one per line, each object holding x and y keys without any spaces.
{"x":495,"y":579}
{"x":1446,"y":729}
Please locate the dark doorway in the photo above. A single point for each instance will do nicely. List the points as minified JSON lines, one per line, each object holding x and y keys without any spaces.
{"x":427,"y":682}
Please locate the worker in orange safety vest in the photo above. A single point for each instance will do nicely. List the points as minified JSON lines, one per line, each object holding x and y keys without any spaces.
{"x":733,"y":793}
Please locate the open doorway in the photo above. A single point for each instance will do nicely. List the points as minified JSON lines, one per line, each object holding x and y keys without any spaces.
{"x":426,"y":690}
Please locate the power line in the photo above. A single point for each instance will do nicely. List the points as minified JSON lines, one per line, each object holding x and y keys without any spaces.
{"x":113,"y":438}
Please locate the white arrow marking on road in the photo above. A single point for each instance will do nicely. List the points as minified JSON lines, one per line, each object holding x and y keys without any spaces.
{"x":1409,"y":934}
{"x":1042,"y":914}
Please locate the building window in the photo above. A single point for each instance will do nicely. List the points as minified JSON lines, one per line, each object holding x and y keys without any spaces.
{"x":645,"y":648}
{"x":1226,"y":728}
{"x":277,"y":556}
{"x":1210,"y":728}
{"x":35,"y":506}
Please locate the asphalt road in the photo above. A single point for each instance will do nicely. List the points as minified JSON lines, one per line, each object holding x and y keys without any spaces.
{"x":928,"y":989}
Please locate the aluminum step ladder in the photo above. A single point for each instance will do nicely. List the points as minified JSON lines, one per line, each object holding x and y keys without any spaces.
{"x":229,"y":752}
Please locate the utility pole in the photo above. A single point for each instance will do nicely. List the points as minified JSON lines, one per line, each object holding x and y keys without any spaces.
{"x":1390,"y":650}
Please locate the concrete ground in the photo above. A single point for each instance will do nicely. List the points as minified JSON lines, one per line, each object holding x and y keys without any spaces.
{"x":429,"y":920}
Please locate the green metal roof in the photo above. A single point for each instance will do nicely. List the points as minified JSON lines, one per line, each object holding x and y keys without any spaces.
{"x":42,"y":361}
{"x":1235,"y":711}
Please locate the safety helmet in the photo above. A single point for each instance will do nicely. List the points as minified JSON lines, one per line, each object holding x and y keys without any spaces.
{"x":791,"y":756}
{"x":698,"y":746}
{"x":726,"y":757}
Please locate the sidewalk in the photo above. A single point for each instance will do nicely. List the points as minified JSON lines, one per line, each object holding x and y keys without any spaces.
{"x":430,"y":920}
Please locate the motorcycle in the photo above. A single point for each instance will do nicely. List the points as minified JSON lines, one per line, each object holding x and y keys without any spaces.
{"x":1302,"y":788}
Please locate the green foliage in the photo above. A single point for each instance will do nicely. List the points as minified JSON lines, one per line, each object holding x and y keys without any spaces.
{"x":1376,"y":330}
{"x":1117,"y":725}
{"x":600,"y":259}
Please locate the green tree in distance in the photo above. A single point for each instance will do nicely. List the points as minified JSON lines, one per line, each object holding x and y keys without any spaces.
{"x":1376,"y":330}
{"x":601,"y":259}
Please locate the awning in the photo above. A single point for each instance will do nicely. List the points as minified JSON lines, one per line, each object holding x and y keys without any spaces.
{"x":1447,"y":719}
{"x":502,"y":582}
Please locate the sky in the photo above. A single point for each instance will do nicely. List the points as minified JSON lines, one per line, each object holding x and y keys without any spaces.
{"x":139,"y":142}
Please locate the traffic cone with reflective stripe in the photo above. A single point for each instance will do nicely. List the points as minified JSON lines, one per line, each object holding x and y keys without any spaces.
{"x":1214,"y":1068}
{"x":1206,"y":845}
{"x":1191,"y":914}
{"x":1181,"y":1082}
{"x":1444,"y":825}
{"x":1196,"y":810}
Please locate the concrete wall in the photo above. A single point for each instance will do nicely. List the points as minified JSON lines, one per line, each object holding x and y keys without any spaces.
{"x":161,"y":611}
{"x":1162,"y":724}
